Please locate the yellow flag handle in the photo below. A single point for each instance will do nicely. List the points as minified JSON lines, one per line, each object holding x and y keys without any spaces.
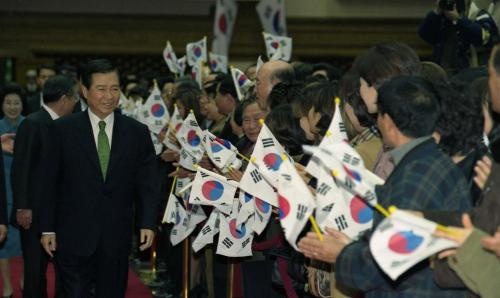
{"x":315,"y":227}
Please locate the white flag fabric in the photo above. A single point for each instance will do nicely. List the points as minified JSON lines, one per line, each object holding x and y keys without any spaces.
{"x":268,"y":154}
{"x":234,"y":240}
{"x":197,"y":73}
{"x":336,"y":133}
{"x":254,"y":183}
{"x":225,"y":16}
{"x":207,"y":233}
{"x":181,"y":229}
{"x":259,"y":64}
{"x":196,"y":51}
{"x":247,"y":207}
{"x":295,"y":201}
{"x":221,"y":152}
{"x":170,"y":58}
{"x":218,"y":62}
{"x":127,"y":106}
{"x":339,"y":209}
{"x":170,"y":214}
{"x":154,"y":112}
{"x":174,"y":126}
{"x":212,"y":189}
{"x":278,"y":47}
{"x":180,"y":184}
{"x":190,"y":136}
{"x":241,"y":82}
{"x":262,"y":173}
{"x":263,"y":211}
{"x":348,"y":168}
{"x":181,"y":62}
{"x":403,"y":240}
{"x":187,"y":161}
{"x":272,"y":16}
{"x":156,"y":143}
{"x":196,"y":215}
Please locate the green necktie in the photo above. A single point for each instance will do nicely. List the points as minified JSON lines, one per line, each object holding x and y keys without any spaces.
{"x":103,"y":148}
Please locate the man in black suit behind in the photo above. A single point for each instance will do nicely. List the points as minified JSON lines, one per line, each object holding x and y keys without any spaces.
{"x":59,"y":95}
{"x":35,"y":102}
{"x":88,"y":212}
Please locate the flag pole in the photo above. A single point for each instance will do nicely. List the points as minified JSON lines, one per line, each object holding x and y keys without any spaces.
{"x":315,"y":227}
{"x":230,"y":285}
{"x":185,"y":266}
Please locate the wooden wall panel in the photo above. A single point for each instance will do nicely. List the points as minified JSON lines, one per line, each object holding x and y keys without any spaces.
{"x":31,"y":37}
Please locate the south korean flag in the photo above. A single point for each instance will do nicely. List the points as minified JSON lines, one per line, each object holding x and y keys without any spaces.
{"x":174,"y":126}
{"x":221,"y":152}
{"x":261,"y":175}
{"x":207,"y":233}
{"x":234,"y":240}
{"x":190,"y":136}
{"x":295,"y":201}
{"x":336,"y":133}
{"x":339,"y":209}
{"x":182,"y":229}
{"x":212,"y":189}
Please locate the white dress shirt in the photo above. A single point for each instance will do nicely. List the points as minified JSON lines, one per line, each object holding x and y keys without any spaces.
{"x":51,"y":112}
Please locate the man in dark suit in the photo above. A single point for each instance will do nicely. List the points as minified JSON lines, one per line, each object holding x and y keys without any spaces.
{"x":88,"y":211}
{"x":30,"y":148}
{"x":34,"y":102}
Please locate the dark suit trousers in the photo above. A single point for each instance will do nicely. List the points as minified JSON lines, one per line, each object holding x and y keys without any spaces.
{"x":35,"y":264}
{"x":110,"y":273}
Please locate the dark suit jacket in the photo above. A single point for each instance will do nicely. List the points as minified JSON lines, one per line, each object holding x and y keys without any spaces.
{"x":424,"y":179}
{"x":32,"y":104}
{"x":87,"y":211}
{"x":31,"y":144}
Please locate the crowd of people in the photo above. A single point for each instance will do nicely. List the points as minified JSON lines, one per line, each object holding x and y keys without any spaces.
{"x":88,"y":192}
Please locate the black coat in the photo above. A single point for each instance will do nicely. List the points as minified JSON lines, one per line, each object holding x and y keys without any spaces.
{"x":31,"y":144}
{"x":86,"y":211}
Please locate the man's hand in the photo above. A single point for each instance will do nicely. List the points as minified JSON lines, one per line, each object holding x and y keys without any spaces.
{"x":327,"y":250}
{"x":302,"y":172}
{"x":483,"y":171}
{"x":3,"y":232}
{"x":492,"y":243}
{"x":7,"y":140}
{"x":234,"y":174}
{"x":169,"y":155}
{"x":147,"y":237}
{"x":24,"y":217}
{"x":49,"y":243}
{"x":459,"y":235}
